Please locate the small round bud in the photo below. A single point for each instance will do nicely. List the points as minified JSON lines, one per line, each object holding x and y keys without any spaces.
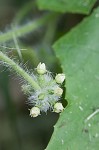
{"x":60,"y":78}
{"x":58,"y":91}
{"x":41,"y":68}
{"x":34,"y":111}
{"x":58,"y":107}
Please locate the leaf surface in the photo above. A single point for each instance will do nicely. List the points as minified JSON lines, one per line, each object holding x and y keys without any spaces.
{"x":74,"y":6}
{"x":78,"y":52}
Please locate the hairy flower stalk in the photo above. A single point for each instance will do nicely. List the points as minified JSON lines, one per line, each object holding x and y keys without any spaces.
{"x":10,"y":63}
{"x":42,"y":89}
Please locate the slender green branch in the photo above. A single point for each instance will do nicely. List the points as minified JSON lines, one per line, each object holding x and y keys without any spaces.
{"x":19,"y":70}
{"x":29,"y":27}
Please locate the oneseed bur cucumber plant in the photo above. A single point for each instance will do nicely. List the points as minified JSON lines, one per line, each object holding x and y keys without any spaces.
{"x":77,"y":52}
{"x":42,"y":89}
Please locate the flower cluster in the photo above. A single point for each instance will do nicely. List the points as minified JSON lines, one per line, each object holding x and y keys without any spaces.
{"x":49,"y":93}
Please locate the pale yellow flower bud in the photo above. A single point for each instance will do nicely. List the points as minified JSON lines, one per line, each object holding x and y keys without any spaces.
{"x":58,"y":91}
{"x":34,"y":111}
{"x":58,"y":107}
{"x":60,"y":78}
{"x":41,"y":68}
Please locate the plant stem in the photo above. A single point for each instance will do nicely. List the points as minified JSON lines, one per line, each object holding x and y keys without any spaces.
{"x":19,"y":70}
{"x":30,"y":27}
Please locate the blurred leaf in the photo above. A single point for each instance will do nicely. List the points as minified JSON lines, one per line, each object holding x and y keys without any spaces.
{"x":74,"y":6}
{"x":78,"y":52}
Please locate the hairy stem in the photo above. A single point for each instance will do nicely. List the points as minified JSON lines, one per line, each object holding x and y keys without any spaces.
{"x":30,"y":27}
{"x":19,"y":70}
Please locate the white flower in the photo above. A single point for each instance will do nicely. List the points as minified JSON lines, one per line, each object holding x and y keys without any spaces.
{"x":48,"y":94}
{"x":58,"y":107}
{"x":34,"y":111}
{"x":41,"y":68}
{"x":58,"y":91}
{"x":60,"y":78}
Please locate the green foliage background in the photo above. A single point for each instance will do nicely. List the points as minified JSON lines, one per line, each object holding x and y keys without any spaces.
{"x":51,"y":27}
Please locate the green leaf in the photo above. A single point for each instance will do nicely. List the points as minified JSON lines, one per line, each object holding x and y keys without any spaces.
{"x":78,"y":52}
{"x":74,"y":6}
